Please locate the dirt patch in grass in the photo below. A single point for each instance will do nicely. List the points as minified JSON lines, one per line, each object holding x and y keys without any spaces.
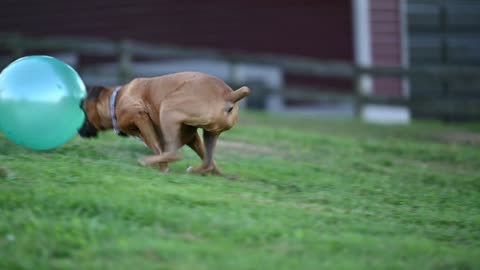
{"x":245,"y":148}
{"x":3,"y":173}
{"x":469,"y":138}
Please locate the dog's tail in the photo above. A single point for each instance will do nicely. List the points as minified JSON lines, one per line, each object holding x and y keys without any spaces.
{"x":238,"y":94}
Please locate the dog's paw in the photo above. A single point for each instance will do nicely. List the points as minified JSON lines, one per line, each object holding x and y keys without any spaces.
{"x":164,"y":167}
{"x":142,"y":162}
{"x":196,"y":170}
{"x":204,"y":170}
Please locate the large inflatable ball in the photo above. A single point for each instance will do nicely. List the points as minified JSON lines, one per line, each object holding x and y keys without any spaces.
{"x":40,"y":102}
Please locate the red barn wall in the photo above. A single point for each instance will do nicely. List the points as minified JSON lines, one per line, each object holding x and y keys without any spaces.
{"x":315,"y":28}
{"x":320,"y":29}
{"x":386,"y":27}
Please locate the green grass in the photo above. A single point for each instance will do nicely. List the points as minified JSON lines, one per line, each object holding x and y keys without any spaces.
{"x":299,"y":194}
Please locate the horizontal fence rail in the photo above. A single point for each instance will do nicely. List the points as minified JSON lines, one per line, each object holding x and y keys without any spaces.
{"x":291,"y":64}
{"x":124,"y":51}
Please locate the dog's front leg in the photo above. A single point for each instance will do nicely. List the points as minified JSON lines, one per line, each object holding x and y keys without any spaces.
{"x":150,"y":138}
{"x":171,"y":125}
{"x":197,"y":146}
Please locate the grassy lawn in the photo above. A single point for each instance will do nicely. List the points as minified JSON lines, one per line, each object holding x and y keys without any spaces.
{"x":299,"y":194}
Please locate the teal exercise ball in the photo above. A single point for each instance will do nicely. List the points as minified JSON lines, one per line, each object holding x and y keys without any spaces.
{"x":40,"y":102}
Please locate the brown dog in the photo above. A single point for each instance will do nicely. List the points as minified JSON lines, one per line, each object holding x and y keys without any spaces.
{"x":165,"y":112}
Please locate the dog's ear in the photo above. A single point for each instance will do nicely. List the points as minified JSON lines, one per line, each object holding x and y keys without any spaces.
{"x":237,"y":95}
{"x":94,"y":92}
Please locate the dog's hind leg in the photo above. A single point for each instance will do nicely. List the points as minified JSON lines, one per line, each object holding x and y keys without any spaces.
{"x":209,"y":165}
{"x":150,"y":138}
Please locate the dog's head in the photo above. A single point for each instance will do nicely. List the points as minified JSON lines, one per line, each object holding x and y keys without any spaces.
{"x":88,"y":105}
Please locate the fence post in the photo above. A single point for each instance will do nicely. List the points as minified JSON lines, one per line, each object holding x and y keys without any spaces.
{"x":18,"y":48}
{"x":359,"y":92}
{"x":235,"y":78}
{"x":446,"y":88}
{"x":125,"y":62}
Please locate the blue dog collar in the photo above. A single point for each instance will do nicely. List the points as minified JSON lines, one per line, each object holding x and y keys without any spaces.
{"x":113,"y":103}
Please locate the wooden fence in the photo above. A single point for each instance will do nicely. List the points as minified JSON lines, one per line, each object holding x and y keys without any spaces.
{"x":124,"y":51}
